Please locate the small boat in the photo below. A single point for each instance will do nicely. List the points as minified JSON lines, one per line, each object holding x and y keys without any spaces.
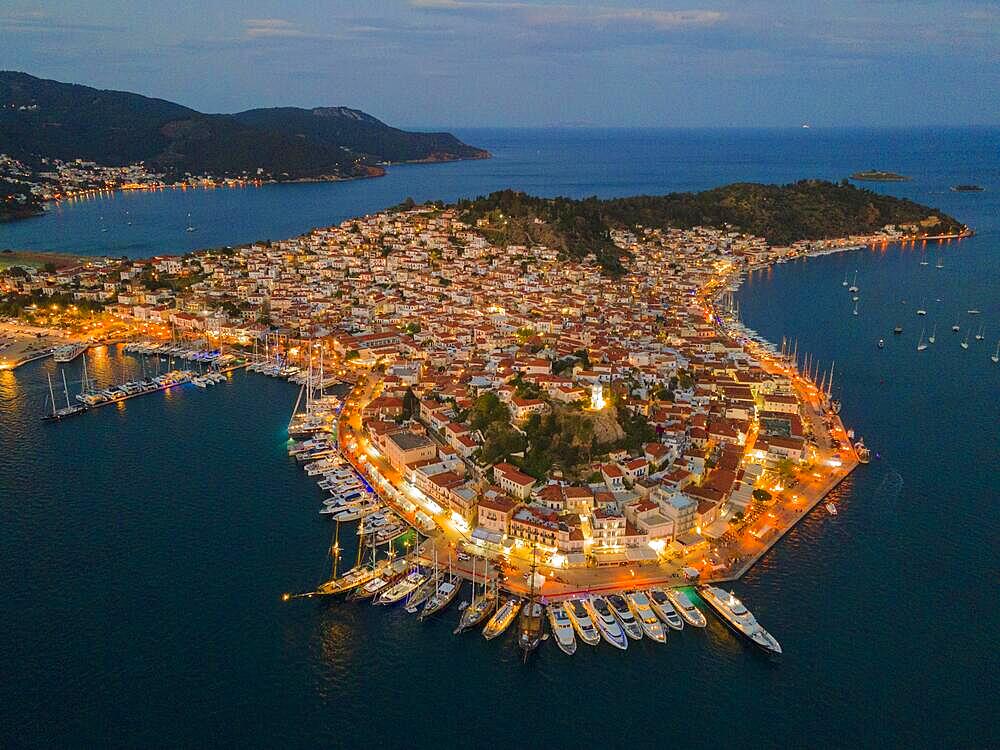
{"x":844,"y":283}
{"x":685,"y":608}
{"x":607,"y":623}
{"x":441,"y":598}
{"x":638,"y":602}
{"x":582,"y":624}
{"x":996,"y":354}
{"x":921,"y":345}
{"x":956,"y":328}
{"x":530,"y":626}
{"x":921,"y":310}
{"x":739,"y":618}
{"x":854,"y":285}
{"x":965,"y":341}
{"x":864,"y":454}
{"x":624,"y":614}
{"x":562,"y":629}
{"x":897,"y":330}
{"x":400,"y":590}
{"x":973,"y":312}
{"x":933,"y":336}
{"x":980,"y":336}
{"x":502,"y":619}
{"x":831,"y":509}
{"x":476,"y":611}
{"x":660,"y":603}
{"x":881,"y":343}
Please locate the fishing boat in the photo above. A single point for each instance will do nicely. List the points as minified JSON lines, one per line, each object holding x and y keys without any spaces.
{"x":686,"y":609}
{"x":562,"y":629}
{"x":921,"y":345}
{"x":502,"y":619}
{"x":401,"y":589}
{"x":933,"y":336}
{"x":607,"y":623}
{"x":582,"y":624}
{"x":831,"y":509}
{"x":739,"y":618}
{"x":638,"y":602}
{"x":661,"y":605}
{"x":624,"y":614}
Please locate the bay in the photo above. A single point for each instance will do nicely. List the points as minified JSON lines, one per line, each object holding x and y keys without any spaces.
{"x":146,"y":545}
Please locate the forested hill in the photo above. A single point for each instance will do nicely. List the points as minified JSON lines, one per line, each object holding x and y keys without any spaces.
{"x":48,"y":119}
{"x":809,"y":209}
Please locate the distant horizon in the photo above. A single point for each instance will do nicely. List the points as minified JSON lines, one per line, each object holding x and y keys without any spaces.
{"x":530,"y":63}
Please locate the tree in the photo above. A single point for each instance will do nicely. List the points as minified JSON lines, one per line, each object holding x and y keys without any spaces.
{"x":761,"y":495}
{"x":785,"y":468}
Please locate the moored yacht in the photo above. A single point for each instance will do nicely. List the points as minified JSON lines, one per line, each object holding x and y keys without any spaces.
{"x":686,"y":609}
{"x":582,"y":624}
{"x":624,"y":614}
{"x":739,"y":618}
{"x":398,"y":591}
{"x":639,"y":604}
{"x":664,"y":609}
{"x":441,"y":598}
{"x":607,"y":623}
{"x":562,"y":629}
{"x":502,"y":619}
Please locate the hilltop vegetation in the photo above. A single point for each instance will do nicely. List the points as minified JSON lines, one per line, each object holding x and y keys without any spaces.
{"x":809,"y":209}
{"x":42,"y":119}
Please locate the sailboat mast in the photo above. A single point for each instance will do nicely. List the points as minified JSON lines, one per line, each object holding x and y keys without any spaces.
{"x":65,"y":388}
{"x":52,"y":395}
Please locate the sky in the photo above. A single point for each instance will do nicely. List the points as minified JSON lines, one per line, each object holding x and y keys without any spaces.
{"x":469,"y":63}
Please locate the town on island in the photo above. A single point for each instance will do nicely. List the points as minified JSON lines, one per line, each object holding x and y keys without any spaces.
{"x":581,"y":428}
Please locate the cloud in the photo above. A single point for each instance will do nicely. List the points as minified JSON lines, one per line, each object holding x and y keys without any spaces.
{"x":40,"y":22}
{"x":564,"y":14}
{"x":276,"y":28}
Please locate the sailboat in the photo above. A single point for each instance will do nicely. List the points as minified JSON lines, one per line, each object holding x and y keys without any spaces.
{"x":933,"y":335}
{"x":191,"y":227}
{"x":855,"y":308}
{"x":956,"y":328}
{"x":70,"y":410}
{"x":923,"y":260}
{"x":965,"y":341}
{"x":979,"y":336}
{"x":854,"y":285}
{"x":921,"y":310}
{"x":477,"y":609}
{"x":940,"y":263}
{"x":996,"y":354}
{"x":921,"y":346}
{"x":531,"y":624}
{"x":444,"y":592}
{"x":845,"y":279}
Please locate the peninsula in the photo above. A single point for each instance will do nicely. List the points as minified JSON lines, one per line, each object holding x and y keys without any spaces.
{"x":548,"y":397}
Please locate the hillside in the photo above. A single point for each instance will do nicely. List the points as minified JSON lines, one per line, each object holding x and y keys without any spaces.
{"x":47,"y":119}
{"x":805,"y":210}
{"x":361,"y":133}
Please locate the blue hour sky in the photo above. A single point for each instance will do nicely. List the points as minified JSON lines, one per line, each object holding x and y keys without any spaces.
{"x":533,"y":62}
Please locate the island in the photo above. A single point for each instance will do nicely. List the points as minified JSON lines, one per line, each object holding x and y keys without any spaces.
{"x":878,"y":175}
{"x":58,"y":140}
{"x":967,"y":188}
{"x":550,"y":397}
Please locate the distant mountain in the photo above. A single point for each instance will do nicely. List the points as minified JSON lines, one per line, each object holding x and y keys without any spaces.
{"x":359,"y":132}
{"x":47,"y":119}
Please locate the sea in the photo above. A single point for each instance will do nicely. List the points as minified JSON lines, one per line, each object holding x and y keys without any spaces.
{"x":146,"y":545}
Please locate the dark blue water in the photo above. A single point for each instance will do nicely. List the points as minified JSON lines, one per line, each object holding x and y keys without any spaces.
{"x":145,"y":546}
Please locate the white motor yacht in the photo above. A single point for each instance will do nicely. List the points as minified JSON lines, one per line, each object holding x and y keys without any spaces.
{"x":639,"y":604}
{"x":738,"y":617}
